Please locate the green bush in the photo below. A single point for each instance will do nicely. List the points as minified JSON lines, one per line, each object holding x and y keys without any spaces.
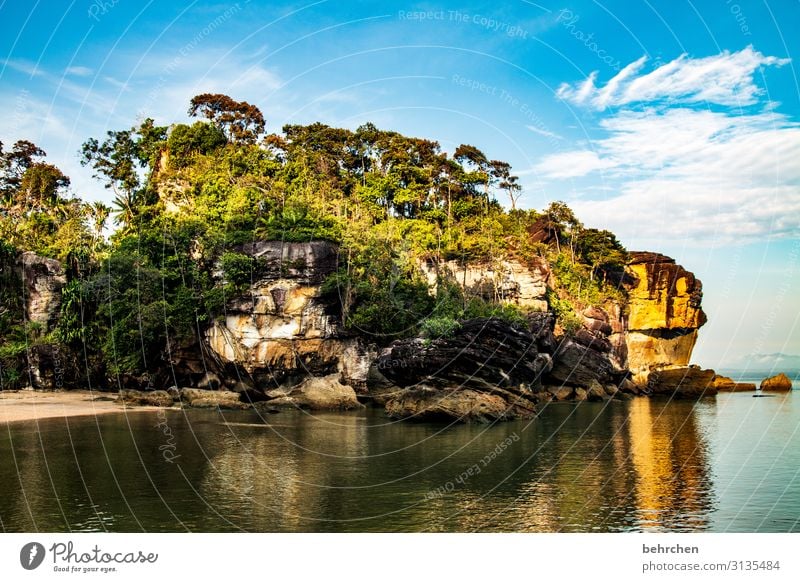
{"x":237,"y":268}
{"x":439,"y":327}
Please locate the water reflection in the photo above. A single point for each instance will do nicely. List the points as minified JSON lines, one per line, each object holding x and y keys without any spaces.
{"x":673,"y":485}
{"x":615,"y":466}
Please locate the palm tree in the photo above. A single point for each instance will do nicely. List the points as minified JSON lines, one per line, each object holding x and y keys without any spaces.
{"x":125,"y":208}
{"x":100,"y":213}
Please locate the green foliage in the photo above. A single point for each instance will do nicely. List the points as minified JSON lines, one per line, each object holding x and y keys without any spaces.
{"x":565,"y":313}
{"x":186,"y":141}
{"x":237,"y":268}
{"x":188,"y":196}
{"x":439,"y":327}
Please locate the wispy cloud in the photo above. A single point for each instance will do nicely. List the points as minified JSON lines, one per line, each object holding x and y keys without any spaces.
{"x":573,"y":164}
{"x":79,"y":71}
{"x":22,"y":66}
{"x":693,"y":174}
{"x":543,"y":132}
{"x":682,"y":172}
{"x":724,"y":79}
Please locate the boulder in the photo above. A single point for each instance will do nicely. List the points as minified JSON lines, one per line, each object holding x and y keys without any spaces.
{"x":611,"y":390}
{"x":224,"y":399}
{"x":581,"y":394}
{"x":594,"y":340}
{"x":596,"y":392}
{"x":141,"y":398}
{"x":240,"y":386}
{"x":459,"y":404}
{"x":541,"y":325}
{"x":688,"y":382}
{"x":779,"y":383}
{"x":627,"y":386}
{"x":725,"y":384}
{"x":319,"y":393}
{"x":596,"y":320}
{"x":561,"y":393}
{"x":578,"y":365}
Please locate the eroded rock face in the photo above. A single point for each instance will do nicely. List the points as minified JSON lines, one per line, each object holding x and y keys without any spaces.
{"x":507,"y":281}
{"x":664,"y":314}
{"x":486,"y":370}
{"x":282,"y":330}
{"x":482,"y":353}
{"x":43,"y":280}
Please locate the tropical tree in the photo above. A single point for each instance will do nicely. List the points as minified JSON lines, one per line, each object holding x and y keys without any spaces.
{"x":240,"y":121}
{"x":501,"y":171}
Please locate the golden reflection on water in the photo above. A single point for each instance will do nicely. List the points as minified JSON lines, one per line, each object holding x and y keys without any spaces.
{"x":668,"y":454}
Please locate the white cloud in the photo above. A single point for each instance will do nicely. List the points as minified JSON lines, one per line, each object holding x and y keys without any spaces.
{"x":681,"y":172}
{"x":79,"y":71}
{"x":572,"y":164}
{"x":684,"y":173}
{"x":724,"y":79}
{"x":22,"y":66}
{"x":543,"y":132}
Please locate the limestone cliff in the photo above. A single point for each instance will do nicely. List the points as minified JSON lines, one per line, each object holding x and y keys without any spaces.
{"x":282,"y":330}
{"x":664,"y":305}
{"x":43,"y":280}
{"x":507,"y":281}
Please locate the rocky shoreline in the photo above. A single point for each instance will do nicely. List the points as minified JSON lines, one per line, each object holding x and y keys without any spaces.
{"x":281,"y":344}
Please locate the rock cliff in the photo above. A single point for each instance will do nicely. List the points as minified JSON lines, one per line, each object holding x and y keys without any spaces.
{"x":665,"y":313}
{"x":283,"y":334}
{"x":43,"y":280}
{"x":282,"y":330}
{"x":506,"y":281}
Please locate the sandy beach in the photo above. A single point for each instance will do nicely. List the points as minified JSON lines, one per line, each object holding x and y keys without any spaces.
{"x":16,"y":406}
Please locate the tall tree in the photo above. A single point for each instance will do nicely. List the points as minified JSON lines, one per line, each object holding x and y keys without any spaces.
{"x":13,"y":165}
{"x":125,"y":161}
{"x":241,"y":122}
{"x":505,"y":181}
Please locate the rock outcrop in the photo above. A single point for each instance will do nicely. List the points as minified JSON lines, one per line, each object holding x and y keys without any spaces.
{"x":664,"y":314}
{"x":160,"y":398}
{"x":282,"y":329}
{"x":685,"y":382}
{"x":223,"y":399}
{"x":43,"y":281}
{"x":460,"y":404}
{"x":778,"y":383}
{"x":725,"y":384}
{"x":318,"y":393}
{"x":509,"y":281}
{"x":486,"y":365}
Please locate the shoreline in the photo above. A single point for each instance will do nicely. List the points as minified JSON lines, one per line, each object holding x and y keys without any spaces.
{"x":28,"y":405}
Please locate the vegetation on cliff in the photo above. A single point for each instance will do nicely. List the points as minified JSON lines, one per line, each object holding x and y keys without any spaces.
{"x":187,"y":196}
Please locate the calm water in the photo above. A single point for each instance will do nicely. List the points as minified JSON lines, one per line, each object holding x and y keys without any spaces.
{"x":730,"y":464}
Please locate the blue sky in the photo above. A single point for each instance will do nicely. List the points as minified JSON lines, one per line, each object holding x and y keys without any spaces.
{"x":675,"y":124}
